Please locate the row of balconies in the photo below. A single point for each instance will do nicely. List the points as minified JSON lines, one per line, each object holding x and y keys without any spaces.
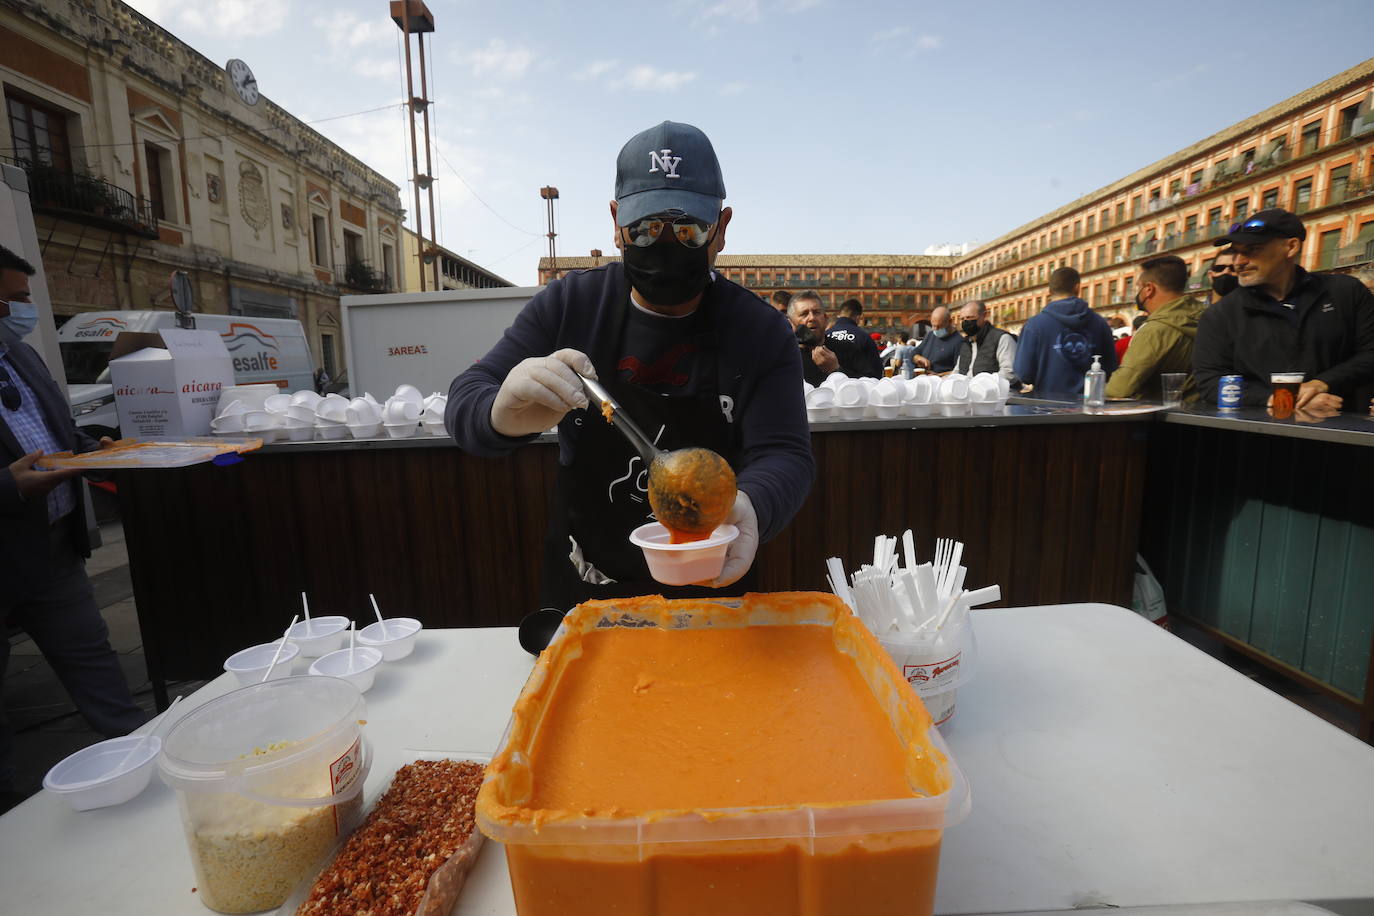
{"x":1215,"y":176}
{"x":767,"y":281}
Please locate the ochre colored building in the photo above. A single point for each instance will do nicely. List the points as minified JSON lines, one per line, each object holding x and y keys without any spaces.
{"x":1312,"y":154}
{"x":895,"y":289}
{"x":145,"y":157}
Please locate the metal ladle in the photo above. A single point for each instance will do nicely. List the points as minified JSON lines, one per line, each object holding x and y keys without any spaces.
{"x":687,"y":486}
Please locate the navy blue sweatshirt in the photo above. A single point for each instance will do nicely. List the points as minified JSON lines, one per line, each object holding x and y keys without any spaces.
{"x":1057,"y":347}
{"x":759,"y":374}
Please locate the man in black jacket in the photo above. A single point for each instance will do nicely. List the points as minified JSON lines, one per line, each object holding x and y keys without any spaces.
{"x":1284,"y":319}
{"x":986,"y":348}
{"x":43,"y":543}
{"x":856,"y":351}
{"x":807,"y":314}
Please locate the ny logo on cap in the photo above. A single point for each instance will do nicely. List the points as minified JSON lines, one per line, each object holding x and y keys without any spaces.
{"x":664,"y":160}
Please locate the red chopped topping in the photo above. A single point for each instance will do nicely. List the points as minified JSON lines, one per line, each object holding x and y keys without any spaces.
{"x":386,"y":865}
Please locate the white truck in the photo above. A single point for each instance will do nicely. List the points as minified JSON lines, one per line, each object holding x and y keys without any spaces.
{"x":423,"y":339}
{"x":272,"y":350}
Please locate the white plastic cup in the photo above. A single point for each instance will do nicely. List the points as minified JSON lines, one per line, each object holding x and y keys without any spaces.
{"x":318,"y":635}
{"x":249,"y":665}
{"x":358,"y":666}
{"x":682,"y":564}
{"x":103,"y":774}
{"x":398,"y":641}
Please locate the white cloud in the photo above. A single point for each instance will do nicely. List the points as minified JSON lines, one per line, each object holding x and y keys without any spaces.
{"x":500,"y":60}
{"x":596,"y":68}
{"x":902,"y":35}
{"x":375,"y":68}
{"x":240,"y":18}
{"x":347,"y":30}
{"x":798,"y":6}
{"x":738,"y":10}
{"x":651,"y":79}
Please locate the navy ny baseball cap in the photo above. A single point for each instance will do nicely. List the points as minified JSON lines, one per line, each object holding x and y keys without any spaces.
{"x":1274,"y":223}
{"x":670,"y":166}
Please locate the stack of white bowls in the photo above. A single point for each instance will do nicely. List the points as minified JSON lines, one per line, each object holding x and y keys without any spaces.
{"x":820,"y":402}
{"x":364,"y":418}
{"x":885,"y":399}
{"x":401,"y":415}
{"x":433,"y":414}
{"x":331,"y":416}
{"x":918,"y":396}
{"x":230,"y":419}
{"x":954,"y":395}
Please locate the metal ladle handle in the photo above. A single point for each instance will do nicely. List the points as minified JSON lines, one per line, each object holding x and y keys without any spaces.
{"x":621,"y":421}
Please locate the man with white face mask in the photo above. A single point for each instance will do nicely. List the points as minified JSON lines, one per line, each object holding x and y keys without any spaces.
{"x":43,"y":542}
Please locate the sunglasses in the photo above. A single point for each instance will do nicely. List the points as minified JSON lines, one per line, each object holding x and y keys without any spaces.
{"x":9,"y":392}
{"x":1249,"y":225}
{"x":688,"y":232}
{"x":1222,"y":268}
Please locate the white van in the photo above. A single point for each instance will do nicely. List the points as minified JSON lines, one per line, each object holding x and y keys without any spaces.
{"x":271,"y":350}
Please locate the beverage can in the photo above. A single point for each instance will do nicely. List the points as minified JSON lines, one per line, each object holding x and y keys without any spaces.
{"x":1230,"y":392}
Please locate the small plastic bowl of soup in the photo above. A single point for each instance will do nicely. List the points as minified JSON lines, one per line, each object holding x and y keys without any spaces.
{"x":683,"y":564}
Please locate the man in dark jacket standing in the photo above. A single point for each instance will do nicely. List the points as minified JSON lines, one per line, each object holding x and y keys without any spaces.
{"x":43,"y":542}
{"x":1057,"y":345}
{"x":856,"y":351}
{"x":695,"y":359}
{"x":1284,"y":319}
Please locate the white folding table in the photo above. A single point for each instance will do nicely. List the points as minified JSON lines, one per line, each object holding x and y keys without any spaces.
{"x":1111,"y":764}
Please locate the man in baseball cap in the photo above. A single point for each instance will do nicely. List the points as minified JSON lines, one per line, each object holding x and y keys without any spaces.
{"x":1283,"y":319}
{"x":693,"y":358}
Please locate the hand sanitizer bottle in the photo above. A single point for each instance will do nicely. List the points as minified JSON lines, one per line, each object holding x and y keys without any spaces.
{"x":1095,"y":385}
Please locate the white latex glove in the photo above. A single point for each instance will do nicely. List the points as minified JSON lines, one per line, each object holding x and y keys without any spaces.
{"x":739,"y":556}
{"x":538,"y":391}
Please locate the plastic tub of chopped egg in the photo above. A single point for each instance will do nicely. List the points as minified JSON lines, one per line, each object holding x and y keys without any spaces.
{"x":267,"y":778}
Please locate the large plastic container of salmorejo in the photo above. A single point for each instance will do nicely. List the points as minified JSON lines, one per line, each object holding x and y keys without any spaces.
{"x":267,"y":778}
{"x":715,"y":679}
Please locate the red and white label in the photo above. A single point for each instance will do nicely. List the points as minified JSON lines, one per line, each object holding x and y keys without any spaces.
{"x":933,"y":677}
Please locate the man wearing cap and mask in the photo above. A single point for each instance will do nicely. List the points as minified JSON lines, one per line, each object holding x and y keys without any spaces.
{"x":1283,"y":319}
{"x":43,"y":542}
{"x":1222,"y":275}
{"x":694,"y":359}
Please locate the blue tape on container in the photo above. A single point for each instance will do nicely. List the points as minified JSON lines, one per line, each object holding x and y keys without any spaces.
{"x":226,"y":459}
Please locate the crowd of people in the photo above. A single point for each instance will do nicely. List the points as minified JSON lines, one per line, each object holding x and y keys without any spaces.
{"x":1266,"y":315}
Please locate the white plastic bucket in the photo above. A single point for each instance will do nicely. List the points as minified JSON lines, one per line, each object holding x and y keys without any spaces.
{"x":267,"y":778}
{"x":935,"y":668}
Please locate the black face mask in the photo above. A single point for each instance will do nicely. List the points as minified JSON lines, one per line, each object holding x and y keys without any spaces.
{"x":1225,"y":284}
{"x":969,"y":326}
{"x":666,"y":273}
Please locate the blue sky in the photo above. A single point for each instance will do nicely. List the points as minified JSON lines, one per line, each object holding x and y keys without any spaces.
{"x":842,"y":127}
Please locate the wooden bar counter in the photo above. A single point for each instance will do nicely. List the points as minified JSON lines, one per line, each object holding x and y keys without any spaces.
{"x":1047,"y":501}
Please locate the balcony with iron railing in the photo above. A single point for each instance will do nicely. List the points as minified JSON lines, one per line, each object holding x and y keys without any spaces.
{"x":361,"y":276}
{"x":1355,"y":255}
{"x":81,"y":197}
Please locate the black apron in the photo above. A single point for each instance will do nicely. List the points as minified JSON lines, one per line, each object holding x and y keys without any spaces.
{"x":602,"y":495}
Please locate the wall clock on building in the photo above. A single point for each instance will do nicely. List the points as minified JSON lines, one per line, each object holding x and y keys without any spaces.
{"x":243,"y":81}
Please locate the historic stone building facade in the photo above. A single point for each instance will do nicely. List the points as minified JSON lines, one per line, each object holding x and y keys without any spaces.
{"x":896,"y":289}
{"x":452,"y":271}
{"x":143,"y":159}
{"x":1312,"y":154}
